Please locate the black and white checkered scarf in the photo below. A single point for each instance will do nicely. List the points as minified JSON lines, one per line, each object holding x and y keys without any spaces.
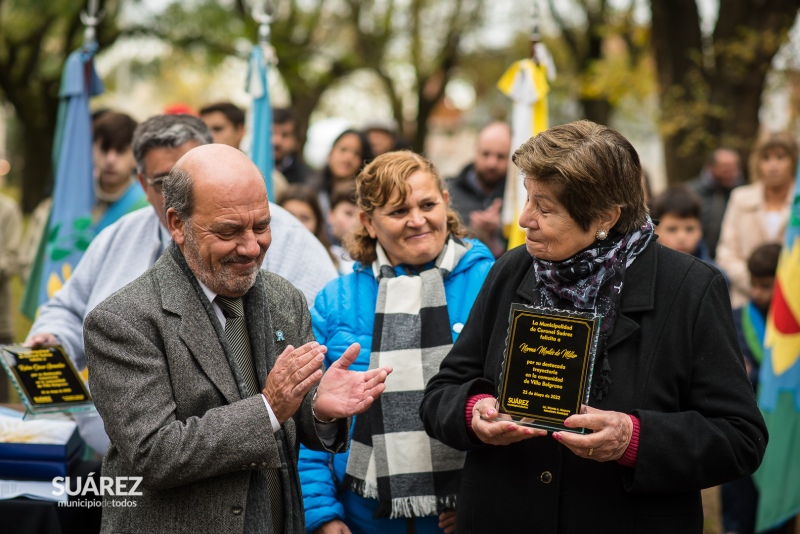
{"x":392,"y":459}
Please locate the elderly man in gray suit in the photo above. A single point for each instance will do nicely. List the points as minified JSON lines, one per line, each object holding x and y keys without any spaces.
{"x":175,"y":358}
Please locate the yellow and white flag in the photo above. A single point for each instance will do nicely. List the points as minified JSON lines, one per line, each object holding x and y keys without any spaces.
{"x":526,"y":83}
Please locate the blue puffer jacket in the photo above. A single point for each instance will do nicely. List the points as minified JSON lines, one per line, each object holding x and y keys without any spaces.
{"x":343,"y":314}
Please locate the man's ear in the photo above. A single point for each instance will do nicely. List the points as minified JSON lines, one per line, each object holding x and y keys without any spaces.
{"x":176,"y":227}
{"x":141,"y":179}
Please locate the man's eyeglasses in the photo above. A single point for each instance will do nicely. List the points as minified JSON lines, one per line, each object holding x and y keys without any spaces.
{"x":155,"y":182}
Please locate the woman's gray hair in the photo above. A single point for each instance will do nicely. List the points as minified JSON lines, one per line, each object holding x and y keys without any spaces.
{"x":167,"y":131}
{"x":592,"y":168}
{"x":178,"y":194}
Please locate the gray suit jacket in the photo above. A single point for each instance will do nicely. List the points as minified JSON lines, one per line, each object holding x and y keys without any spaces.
{"x":162,"y":383}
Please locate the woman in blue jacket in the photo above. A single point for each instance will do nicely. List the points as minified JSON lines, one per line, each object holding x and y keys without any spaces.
{"x":405,"y":304}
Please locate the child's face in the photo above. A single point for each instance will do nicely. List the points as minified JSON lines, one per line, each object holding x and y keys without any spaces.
{"x":343,"y":219}
{"x":678,"y":233}
{"x":303,"y":212}
{"x":761,"y":291}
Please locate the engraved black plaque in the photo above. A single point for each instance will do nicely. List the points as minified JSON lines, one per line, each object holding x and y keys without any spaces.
{"x":548,"y":364}
{"x":45,"y":377}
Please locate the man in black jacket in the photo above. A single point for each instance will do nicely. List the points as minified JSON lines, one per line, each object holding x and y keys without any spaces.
{"x":285,"y":144}
{"x":721,"y":174}
{"x":477,"y":191}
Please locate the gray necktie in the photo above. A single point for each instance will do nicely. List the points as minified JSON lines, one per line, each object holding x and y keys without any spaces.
{"x":239,"y":343}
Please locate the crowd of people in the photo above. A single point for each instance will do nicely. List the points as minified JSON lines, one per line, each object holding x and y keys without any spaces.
{"x":204,"y":313}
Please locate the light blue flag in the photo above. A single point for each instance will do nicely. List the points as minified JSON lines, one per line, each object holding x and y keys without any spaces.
{"x":259,"y":124}
{"x":69,"y":229}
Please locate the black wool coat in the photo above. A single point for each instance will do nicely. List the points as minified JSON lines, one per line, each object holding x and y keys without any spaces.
{"x":675,"y":364}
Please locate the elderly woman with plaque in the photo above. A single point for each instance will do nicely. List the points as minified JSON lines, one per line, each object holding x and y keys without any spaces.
{"x":597,"y":385}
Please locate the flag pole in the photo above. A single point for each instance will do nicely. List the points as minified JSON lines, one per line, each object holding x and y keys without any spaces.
{"x":262,"y":57}
{"x":525,"y":82}
{"x":264,"y":18}
{"x":534,"y":40}
{"x":70,"y":227}
{"x":90,"y":18}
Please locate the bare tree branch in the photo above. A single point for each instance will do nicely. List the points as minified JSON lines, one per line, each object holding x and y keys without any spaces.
{"x":568,"y":35}
{"x":416,"y":40}
{"x":241,"y":8}
{"x":34,"y":45}
{"x":74,"y":27}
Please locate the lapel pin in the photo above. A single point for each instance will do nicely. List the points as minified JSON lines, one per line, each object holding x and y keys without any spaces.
{"x":279,"y":335}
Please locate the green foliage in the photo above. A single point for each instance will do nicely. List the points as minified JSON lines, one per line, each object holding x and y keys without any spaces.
{"x":689,"y":108}
{"x":207,"y":27}
{"x":602,"y":56}
{"x":618,"y":75}
{"x":36,"y":36}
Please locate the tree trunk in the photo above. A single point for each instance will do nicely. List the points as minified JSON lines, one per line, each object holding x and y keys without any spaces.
{"x":430,"y":90}
{"x":396,"y":101}
{"x":677,"y":43}
{"x":738,"y":87}
{"x":710,"y":97}
{"x":424,"y":108}
{"x":37,"y":174}
{"x":596,"y":110}
{"x":303,"y":105}
{"x":36,"y":114}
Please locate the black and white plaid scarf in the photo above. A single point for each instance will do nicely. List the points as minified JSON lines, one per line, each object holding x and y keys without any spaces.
{"x":592,"y":280}
{"x":392,"y":459}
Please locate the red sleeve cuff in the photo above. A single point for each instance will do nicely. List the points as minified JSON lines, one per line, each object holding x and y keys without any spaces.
{"x":629,"y":458}
{"x":471,"y":404}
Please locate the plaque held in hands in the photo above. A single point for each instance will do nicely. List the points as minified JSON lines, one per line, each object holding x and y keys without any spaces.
{"x":547,"y":367}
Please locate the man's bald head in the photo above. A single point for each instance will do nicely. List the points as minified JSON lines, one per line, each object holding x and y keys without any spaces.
{"x":491,"y":154}
{"x":218,"y":215}
{"x":725,"y":167}
{"x":212,"y":169}
{"x":497,"y":130}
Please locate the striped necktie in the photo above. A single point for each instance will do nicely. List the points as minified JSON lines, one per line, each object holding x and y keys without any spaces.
{"x":239,"y":343}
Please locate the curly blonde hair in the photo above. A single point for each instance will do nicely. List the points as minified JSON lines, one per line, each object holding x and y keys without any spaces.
{"x":375,"y":185}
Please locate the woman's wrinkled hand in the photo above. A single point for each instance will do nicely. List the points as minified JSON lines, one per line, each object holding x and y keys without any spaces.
{"x":447,"y":521}
{"x":611,"y":434}
{"x":495,"y":428}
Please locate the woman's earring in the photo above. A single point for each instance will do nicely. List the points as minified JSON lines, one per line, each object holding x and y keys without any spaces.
{"x":601,"y":234}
